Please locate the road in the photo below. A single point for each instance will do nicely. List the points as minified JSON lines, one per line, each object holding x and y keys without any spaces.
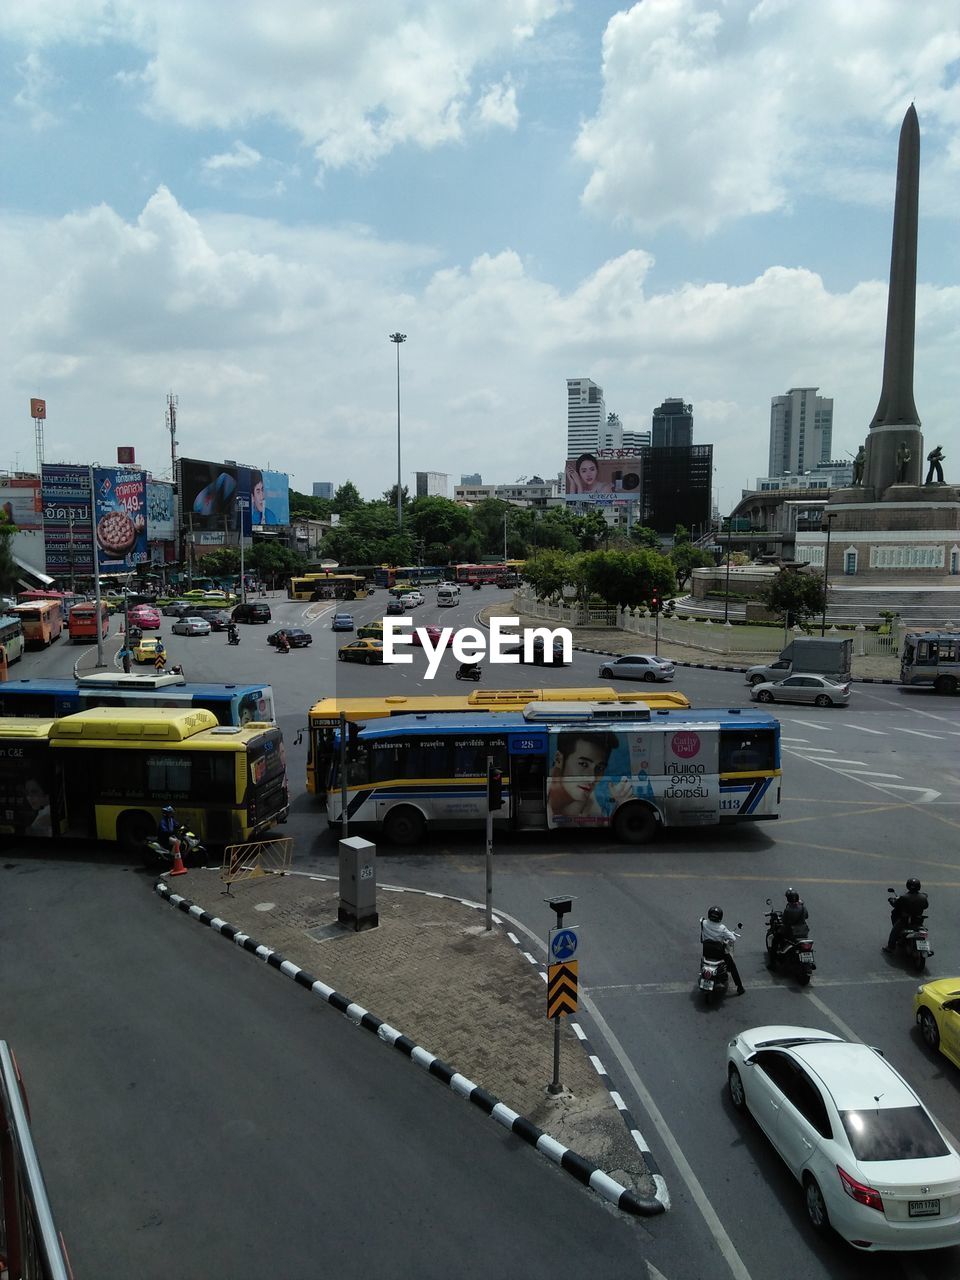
{"x":871,"y":795}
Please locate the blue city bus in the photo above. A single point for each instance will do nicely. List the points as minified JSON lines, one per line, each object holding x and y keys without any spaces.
{"x":54,"y":697}
{"x":562,"y":766}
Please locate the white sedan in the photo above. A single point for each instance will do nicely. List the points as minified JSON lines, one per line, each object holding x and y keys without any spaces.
{"x":637,"y":666}
{"x":872,"y":1161}
{"x":190,"y":626}
{"x":815,"y":691}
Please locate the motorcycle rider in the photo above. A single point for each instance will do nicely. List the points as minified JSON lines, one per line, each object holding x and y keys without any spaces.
{"x":793,"y":918}
{"x":712,"y":929}
{"x":283,"y":644}
{"x":907,"y":909}
{"x":469,"y":671}
{"x":233,"y":634}
{"x":167,"y":826}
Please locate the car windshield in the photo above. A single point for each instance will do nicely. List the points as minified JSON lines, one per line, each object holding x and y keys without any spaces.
{"x":893,"y":1133}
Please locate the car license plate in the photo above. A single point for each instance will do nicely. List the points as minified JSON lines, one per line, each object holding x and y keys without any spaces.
{"x":923,"y":1208}
{"x":806,"y":957}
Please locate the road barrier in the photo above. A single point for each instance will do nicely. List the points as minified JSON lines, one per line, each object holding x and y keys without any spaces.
{"x":255,"y":859}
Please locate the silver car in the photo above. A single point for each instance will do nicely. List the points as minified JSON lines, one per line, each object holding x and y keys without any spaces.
{"x":191,"y":627}
{"x":637,"y":666}
{"x":818,"y":690}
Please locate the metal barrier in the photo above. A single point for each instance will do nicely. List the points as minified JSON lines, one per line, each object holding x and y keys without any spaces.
{"x":255,"y":859}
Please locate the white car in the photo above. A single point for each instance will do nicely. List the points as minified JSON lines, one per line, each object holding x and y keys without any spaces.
{"x":189,"y":626}
{"x":411,"y":599}
{"x":872,"y":1161}
{"x":816,"y":691}
{"x":637,"y":666}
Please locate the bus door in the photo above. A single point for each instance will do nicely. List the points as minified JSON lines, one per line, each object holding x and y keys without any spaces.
{"x":528,"y":781}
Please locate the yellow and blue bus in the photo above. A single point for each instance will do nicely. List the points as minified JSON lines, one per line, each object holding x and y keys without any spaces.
{"x":323,"y":719}
{"x":106,"y":774}
{"x":580,"y":766}
{"x":11,"y":637}
{"x":328,"y":586}
{"x":52,"y":696}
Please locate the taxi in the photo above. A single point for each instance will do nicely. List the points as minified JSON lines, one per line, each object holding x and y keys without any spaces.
{"x":147,"y":648}
{"x":937,"y":1006}
{"x":370,"y":631}
{"x":366,"y":651}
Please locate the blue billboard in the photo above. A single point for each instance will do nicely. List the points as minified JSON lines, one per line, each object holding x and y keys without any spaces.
{"x":120,"y":511}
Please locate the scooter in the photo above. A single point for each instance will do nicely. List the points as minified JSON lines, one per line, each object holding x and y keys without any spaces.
{"x":233,"y":637}
{"x":795,"y":951}
{"x":468,"y":671}
{"x":159,"y":855}
{"x":914,"y":942}
{"x":714,"y":973}
{"x":476,"y":586}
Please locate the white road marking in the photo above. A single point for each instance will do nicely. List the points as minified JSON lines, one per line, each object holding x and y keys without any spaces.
{"x":922,"y":795}
{"x":838,"y":760}
{"x":918,"y":733}
{"x":683,"y":988}
{"x":807,"y":724}
{"x":881,"y":733}
{"x":784,"y":738}
{"x":871,"y":773}
{"x":847,"y":1032}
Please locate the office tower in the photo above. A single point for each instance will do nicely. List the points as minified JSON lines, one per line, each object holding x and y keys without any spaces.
{"x":636,"y":439}
{"x":675,"y":487}
{"x":432,"y":484}
{"x":672,"y":425}
{"x":611,"y":433}
{"x":322,"y":489}
{"x":586,"y":414}
{"x":801,"y":431}
{"x":474,"y":478}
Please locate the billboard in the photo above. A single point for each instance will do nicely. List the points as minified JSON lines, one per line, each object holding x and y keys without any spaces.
{"x":269,"y":496}
{"x":20,"y":503}
{"x":67,"y":532}
{"x":212,"y":493}
{"x":160,"y":525}
{"x":604,"y":476}
{"x":120,"y":511}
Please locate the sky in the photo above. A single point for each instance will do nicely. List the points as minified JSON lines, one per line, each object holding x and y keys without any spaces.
{"x":238,"y":204}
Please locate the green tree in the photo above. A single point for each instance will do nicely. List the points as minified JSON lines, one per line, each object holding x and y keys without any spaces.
{"x":794,"y":596}
{"x":628,"y":578}
{"x":593,"y":530}
{"x":548,"y":572}
{"x":645,"y":536}
{"x":681,"y":535}
{"x":273,"y":563}
{"x":304,"y":504}
{"x":438,"y":521}
{"x":224,"y":563}
{"x":488,"y":517}
{"x":686,"y":557}
{"x":346,"y":499}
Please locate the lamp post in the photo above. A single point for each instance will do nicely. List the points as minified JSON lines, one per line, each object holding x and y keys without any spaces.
{"x":726,"y":590}
{"x":397,"y":338}
{"x":831,"y":516}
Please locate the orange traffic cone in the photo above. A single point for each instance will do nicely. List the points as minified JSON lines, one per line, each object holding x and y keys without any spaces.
{"x":178,"y":869}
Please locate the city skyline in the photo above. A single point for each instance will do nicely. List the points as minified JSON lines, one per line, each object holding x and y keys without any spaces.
{"x":249,"y":242}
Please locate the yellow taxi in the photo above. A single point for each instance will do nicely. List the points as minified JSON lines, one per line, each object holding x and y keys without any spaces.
{"x":937,"y":1006}
{"x":370,"y":631}
{"x":146,"y":649}
{"x":366,"y":651}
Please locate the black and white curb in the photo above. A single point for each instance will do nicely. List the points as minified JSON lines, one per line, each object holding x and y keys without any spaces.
{"x":623,"y":1197}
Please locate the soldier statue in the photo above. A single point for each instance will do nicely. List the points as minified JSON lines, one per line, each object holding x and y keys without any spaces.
{"x":903,"y":461}
{"x":858,"y":465}
{"x":935,"y":458}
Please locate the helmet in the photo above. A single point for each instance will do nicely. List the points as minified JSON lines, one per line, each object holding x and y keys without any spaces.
{"x":168,"y":808}
{"x":791,"y":895}
{"x":715,"y":914}
{"x":913,"y":884}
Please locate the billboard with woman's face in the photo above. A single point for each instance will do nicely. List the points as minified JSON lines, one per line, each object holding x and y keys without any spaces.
{"x":603,"y":475}
{"x":213,"y":493}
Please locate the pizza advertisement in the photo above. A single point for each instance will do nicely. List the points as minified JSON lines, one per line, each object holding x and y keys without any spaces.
{"x":120,"y":511}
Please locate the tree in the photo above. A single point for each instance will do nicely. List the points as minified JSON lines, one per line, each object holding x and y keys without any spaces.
{"x":681,"y":535}
{"x":304,"y":504}
{"x":347,"y":498}
{"x":438,"y":520}
{"x":686,"y":557}
{"x":548,"y":572}
{"x":224,"y":563}
{"x":274,"y":563}
{"x":390,"y":497}
{"x":593,"y":530}
{"x":628,"y":578}
{"x":794,"y":596}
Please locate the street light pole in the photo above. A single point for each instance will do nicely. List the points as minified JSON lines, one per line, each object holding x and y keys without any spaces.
{"x":397,"y":338}
{"x":726,"y":590}
{"x":831,"y":516}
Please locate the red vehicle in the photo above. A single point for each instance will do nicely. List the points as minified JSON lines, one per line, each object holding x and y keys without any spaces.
{"x":82,"y":621}
{"x":145,"y":617}
{"x":433,"y":634}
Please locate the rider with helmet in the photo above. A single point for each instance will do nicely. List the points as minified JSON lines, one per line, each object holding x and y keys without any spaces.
{"x":712,"y":929}
{"x":793,"y":918}
{"x":907,"y":911}
{"x":167,"y":826}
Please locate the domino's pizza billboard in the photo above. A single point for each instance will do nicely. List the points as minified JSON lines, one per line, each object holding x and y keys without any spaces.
{"x":120,"y":512}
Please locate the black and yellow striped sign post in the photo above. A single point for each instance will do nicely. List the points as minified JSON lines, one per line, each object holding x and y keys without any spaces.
{"x":563,"y":970}
{"x":562,"y":989}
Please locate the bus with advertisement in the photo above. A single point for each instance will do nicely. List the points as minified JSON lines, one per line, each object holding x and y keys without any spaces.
{"x":328,"y":586}
{"x":324,"y":717}
{"x":486,"y":573}
{"x":52,"y":696}
{"x":107,"y":774}
{"x":82,"y":621}
{"x":562,"y":766}
{"x":11,"y":637}
{"x":42,"y":622}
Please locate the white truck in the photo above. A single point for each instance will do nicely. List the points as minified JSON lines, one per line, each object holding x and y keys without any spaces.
{"x":813,"y":655}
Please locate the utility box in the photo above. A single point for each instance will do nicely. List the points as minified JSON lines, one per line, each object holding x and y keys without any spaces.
{"x":358,"y":884}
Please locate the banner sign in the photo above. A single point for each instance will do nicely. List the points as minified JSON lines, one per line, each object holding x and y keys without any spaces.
{"x":67,"y":533}
{"x":120,"y":505}
{"x":604,"y":476}
{"x":160,"y":511}
{"x":38,"y":408}
{"x":213,"y":493}
{"x":20,"y":503}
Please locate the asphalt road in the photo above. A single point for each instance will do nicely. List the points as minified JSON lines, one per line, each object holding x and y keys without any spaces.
{"x":871,"y":795}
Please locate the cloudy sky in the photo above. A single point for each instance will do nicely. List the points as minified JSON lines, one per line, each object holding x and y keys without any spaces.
{"x":240,"y":202}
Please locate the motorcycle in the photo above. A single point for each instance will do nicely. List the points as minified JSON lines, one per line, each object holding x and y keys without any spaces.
{"x":914,"y":942}
{"x":793,"y":951}
{"x":714,"y":973}
{"x":468,"y":671}
{"x":158,"y":855}
{"x":283,"y":646}
{"x":476,"y":586}
{"x":233,"y":636}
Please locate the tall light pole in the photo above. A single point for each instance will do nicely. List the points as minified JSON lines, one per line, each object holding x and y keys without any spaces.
{"x":398,"y":338}
{"x":831,"y":516}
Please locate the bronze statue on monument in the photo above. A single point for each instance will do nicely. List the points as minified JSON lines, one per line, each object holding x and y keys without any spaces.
{"x":935,"y":457}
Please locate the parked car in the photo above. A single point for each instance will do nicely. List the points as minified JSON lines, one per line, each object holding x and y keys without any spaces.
{"x":539,"y":657}
{"x":252,"y":611}
{"x":191,"y":626}
{"x":297,"y":638}
{"x":342,"y":622}
{"x":366,"y":651}
{"x":145,"y":650}
{"x":818,"y":690}
{"x":871,"y":1160}
{"x":395,"y":607}
{"x":145,"y":617}
{"x":638,"y":666}
{"x":937,"y":1006}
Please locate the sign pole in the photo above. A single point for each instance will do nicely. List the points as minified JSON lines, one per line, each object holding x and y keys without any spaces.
{"x":489,"y":854}
{"x":96,"y":572}
{"x":562,"y":979}
{"x":343,"y":776}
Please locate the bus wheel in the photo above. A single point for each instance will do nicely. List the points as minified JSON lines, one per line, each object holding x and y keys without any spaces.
{"x":404,"y":825}
{"x":945,"y":684}
{"x":634,"y":824}
{"x":133,"y":828}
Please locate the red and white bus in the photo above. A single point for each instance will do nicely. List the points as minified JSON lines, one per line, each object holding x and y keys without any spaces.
{"x":82,"y":621}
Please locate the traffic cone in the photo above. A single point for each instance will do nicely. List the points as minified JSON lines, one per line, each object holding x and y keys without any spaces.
{"x":178,"y":869}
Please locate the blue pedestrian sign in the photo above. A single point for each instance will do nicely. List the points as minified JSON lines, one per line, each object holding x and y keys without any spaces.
{"x":563,"y":945}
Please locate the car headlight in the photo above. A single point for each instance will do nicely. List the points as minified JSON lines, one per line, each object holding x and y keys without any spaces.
{"x":920,"y":990}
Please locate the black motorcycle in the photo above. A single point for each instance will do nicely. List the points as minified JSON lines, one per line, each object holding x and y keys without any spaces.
{"x":468,"y":671}
{"x":789,"y":946}
{"x":233,"y":636}
{"x":714,"y":975}
{"x":159,"y":856}
{"x":914,"y":941}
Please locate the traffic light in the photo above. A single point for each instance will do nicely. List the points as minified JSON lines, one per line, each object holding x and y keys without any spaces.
{"x":655,"y":602}
{"x":494,"y":789}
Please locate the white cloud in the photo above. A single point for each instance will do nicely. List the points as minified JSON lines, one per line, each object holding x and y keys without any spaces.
{"x":710,"y":114}
{"x":498,"y":106}
{"x":240,"y":156}
{"x":38,"y":80}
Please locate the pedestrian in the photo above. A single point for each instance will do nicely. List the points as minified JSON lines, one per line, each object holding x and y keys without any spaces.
{"x":124,"y":656}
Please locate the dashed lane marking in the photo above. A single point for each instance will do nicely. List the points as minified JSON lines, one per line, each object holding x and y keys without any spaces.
{"x":881,"y":733}
{"x":809,"y":724}
{"x":873,"y":774}
{"x":918,"y":733}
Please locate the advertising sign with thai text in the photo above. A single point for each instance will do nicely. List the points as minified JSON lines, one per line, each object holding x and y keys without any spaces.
{"x":67,"y":531}
{"x":120,"y":509}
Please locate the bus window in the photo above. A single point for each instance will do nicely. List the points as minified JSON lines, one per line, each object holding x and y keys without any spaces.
{"x":744,"y":750}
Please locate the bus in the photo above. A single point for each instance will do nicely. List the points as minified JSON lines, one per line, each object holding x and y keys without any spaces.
{"x":323,"y":719}
{"x":488,"y":573}
{"x":388,"y":575}
{"x":66,"y":598}
{"x":42,"y":622}
{"x":563,"y":767}
{"x":11,"y":636}
{"x":107,"y":774}
{"x":328,"y":586}
{"x":232,"y":704}
{"x":82,"y":621}
{"x":931,"y":658}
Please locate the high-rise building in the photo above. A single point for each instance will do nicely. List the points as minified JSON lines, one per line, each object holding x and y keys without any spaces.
{"x":322,"y":489}
{"x":473,"y":478}
{"x":801,"y":431}
{"x":636,"y":439}
{"x":675,"y":487}
{"x":432,"y":484}
{"x":611,"y":433}
{"x":586,"y":415}
{"x":672,"y":425}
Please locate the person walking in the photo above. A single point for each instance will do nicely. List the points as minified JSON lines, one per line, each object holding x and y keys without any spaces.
{"x":124,"y":655}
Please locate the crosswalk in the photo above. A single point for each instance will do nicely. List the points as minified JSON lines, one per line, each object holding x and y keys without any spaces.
{"x":826,"y":757}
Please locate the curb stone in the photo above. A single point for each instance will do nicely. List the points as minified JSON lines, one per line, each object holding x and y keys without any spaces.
{"x":588,"y":1174}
